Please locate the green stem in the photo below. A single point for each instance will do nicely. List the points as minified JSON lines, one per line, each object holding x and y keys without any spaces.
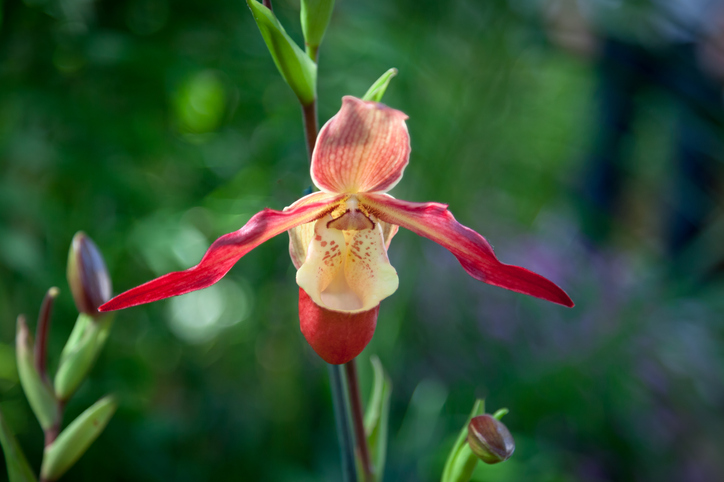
{"x":310,"y":126}
{"x":52,"y":432}
{"x":358,"y":420}
{"x":312,"y":52}
{"x":346,"y":445}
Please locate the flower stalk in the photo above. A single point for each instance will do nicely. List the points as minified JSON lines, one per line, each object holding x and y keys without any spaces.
{"x":341,"y":418}
{"x":309,"y":115}
{"x":358,"y":420}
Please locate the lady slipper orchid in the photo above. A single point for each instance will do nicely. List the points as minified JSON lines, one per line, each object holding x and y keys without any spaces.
{"x":339,"y":236}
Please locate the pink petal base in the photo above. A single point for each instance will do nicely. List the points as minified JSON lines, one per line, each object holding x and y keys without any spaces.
{"x":335,"y":336}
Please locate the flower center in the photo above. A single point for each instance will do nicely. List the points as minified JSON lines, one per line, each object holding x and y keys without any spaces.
{"x":354,"y":217}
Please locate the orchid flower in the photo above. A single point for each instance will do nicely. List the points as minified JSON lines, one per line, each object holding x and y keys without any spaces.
{"x":339,"y":236}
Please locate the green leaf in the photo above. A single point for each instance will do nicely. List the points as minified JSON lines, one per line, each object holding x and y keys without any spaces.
{"x":298,"y":70}
{"x":17,"y":464}
{"x":38,"y":391}
{"x":80,"y":352}
{"x":72,"y":442}
{"x":500,"y":413}
{"x":315,"y":16}
{"x":461,"y":461}
{"x":379,"y":88}
{"x":377,"y":417}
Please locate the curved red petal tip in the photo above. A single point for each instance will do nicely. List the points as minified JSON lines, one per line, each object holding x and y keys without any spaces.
{"x":435,"y":222}
{"x":335,"y":336}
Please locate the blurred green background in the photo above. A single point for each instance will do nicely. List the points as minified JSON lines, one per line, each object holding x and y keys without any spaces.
{"x":156,"y":126}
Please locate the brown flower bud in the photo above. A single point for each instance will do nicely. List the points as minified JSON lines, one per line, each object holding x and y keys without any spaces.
{"x":489,"y":439}
{"x":87,"y":275}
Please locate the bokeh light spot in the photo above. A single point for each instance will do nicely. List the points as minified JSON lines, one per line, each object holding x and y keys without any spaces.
{"x":199,"y":103}
{"x":200,"y":316}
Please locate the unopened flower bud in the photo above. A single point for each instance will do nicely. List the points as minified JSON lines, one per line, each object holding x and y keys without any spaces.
{"x":87,"y":275}
{"x":489,"y":439}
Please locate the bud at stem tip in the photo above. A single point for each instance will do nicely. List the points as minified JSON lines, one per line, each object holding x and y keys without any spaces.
{"x":87,"y":275}
{"x":490,"y":439}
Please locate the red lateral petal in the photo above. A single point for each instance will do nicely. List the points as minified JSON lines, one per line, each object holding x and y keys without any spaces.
{"x":220,"y":257}
{"x":335,"y":336}
{"x":364,"y":148}
{"x":435,"y":222}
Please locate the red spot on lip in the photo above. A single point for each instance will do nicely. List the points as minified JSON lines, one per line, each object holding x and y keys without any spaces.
{"x":318,"y":238}
{"x":324,"y":243}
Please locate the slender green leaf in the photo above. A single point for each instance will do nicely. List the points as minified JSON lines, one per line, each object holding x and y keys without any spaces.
{"x":72,"y":442}
{"x":38,"y":391}
{"x":379,"y":88}
{"x":377,"y":417}
{"x":461,"y":461}
{"x":298,"y":70}
{"x":315,"y":16}
{"x":500,"y":413}
{"x":17,"y":464}
{"x":80,"y":352}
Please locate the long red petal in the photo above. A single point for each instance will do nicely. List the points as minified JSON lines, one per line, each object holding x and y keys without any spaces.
{"x":435,"y":222}
{"x":220,"y":257}
{"x":364,"y":148}
{"x":335,"y":336}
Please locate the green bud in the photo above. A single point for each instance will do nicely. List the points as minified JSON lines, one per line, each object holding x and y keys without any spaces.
{"x":315,"y":17}
{"x":379,"y":88}
{"x":80,"y":352}
{"x":489,"y":439}
{"x":72,"y":442}
{"x":87,"y":275}
{"x":38,"y":391}
{"x":297,"y":69}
